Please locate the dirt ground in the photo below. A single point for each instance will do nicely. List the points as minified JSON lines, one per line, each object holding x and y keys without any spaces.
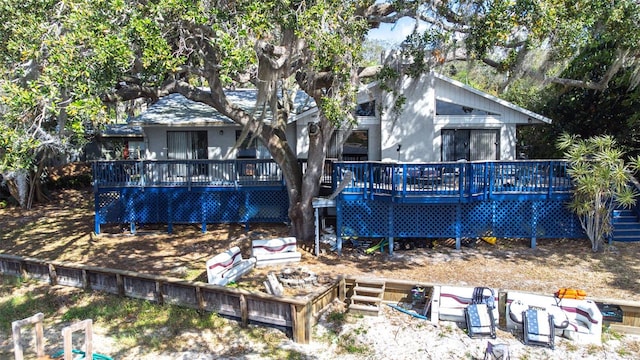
{"x":62,"y":230}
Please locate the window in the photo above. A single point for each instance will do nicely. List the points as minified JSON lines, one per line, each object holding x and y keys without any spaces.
{"x":354,"y":148}
{"x":366,"y":109}
{"x":249,"y":147}
{"x":470,"y":144}
{"x":187,"y":145}
{"x":448,"y":108}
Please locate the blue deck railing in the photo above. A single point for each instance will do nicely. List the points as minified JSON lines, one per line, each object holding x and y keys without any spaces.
{"x":186,"y":173}
{"x":454,"y":181}
{"x":443,"y":182}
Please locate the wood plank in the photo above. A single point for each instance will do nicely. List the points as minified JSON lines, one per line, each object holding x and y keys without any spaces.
{"x":244,"y":312}
{"x":301,"y":319}
{"x":67,"y":337}
{"x":16,"y":328}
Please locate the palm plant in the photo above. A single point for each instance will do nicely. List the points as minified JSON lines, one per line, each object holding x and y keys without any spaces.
{"x":602,"y":182}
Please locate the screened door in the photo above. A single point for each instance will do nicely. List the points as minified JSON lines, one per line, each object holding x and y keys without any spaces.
{"x":483,"y":145}
{"x":470,"y":144}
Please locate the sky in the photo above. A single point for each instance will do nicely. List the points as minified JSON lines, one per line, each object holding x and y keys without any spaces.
{"x":392,"y":33}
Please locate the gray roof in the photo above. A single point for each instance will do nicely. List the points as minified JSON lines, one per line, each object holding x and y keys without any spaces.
{"x":122,"y":130}
{"x":175,"y":109}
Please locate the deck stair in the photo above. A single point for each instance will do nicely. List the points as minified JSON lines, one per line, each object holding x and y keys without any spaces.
{"x":367,"y":297}
{"x":626,"y":225}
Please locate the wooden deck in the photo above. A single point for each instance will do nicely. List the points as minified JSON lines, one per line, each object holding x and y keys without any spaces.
{"x":445,"y":182}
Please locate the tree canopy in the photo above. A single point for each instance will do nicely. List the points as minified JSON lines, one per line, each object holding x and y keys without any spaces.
{"x":64,"y":64}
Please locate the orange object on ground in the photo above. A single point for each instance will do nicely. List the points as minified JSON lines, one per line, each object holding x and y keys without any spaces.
{"x":567,"y":293}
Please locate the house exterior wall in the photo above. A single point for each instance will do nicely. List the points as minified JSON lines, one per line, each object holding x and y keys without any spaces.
{"x":220,"y":141}
{"x":418,"y":129}
{"x":506,"y":120}
{"x":302,"y":135}
{"x":413,"y":128}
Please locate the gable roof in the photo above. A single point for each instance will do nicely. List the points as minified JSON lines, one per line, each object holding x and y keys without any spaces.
{"x":176,"y":110}
{"x":496,"y":99}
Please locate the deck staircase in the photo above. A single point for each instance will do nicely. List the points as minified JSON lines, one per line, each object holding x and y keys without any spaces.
{"x":626,"y":225}
{"x":367,"y":297}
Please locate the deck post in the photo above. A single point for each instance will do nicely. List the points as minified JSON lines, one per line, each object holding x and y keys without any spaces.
{"x":96,"y":199}
{"x":550,"y":179}
{"x":339,"y":227}
{"x":169,"y":214}
{"x":391,"y":228}
{"x":458,"y":226}
{"x":96,"y":206}
{"x":534,"y":223}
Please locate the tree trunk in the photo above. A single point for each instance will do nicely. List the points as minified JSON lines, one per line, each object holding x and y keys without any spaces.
{"x":18,"y":185}
{"x":301,"y":188}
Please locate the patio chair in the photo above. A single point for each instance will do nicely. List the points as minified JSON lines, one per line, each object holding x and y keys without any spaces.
{"x":479,"y":314}
{"x":538,"y":328}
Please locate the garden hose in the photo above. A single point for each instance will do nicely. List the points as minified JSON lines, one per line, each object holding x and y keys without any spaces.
{"x":95,"y":355}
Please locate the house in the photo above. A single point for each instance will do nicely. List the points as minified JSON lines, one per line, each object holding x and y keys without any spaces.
{"x":178,"y":128}
{"x":405,"y":174}
{"x":442,"y":120}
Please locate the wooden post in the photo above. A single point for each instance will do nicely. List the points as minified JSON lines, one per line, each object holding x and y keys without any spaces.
{"x":16,"y":327}
{"x":67,"y":338}
{"x":85,"y":280}
{"x":120,"y":284}
{"x":200,"y":299}
{"x":301,"y":321}
{"x":53,"y":276}
{"x":244,"y":313}
{"x":159,"y":296}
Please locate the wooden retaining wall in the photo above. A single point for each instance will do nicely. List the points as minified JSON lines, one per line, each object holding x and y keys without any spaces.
{"x":245,"y":306}
{"x":399,"y":290}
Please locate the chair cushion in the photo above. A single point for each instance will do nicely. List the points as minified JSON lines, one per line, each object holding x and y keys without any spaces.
{"x":538,"y":322}
{"x":479,"y":315}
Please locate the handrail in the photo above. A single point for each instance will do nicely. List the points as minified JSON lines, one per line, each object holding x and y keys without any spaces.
{"x":190,"y":173}
{"x":455,"y":181}
{"x":462,"y":180}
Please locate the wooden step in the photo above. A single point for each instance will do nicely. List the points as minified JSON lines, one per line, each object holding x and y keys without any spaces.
{"x":364,"y":309}
{"x":367,"y":297}
{"x":368,"y":290}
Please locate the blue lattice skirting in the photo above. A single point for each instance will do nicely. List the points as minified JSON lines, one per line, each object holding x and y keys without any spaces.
{"x":168,"y":205}
{"x":499,"y":218}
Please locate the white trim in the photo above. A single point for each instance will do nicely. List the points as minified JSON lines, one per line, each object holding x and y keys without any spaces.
{"x":492,"y":98}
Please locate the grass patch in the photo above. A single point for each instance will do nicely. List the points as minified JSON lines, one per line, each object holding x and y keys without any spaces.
{"x":350,"y":344}
{"x":609,"y":334}
{"x":16,"y":305}
{"x":131,"y":322}
{"x":134,"y":321}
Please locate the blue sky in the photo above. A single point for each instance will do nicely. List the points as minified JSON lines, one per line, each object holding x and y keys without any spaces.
{"x":394,"y":33}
